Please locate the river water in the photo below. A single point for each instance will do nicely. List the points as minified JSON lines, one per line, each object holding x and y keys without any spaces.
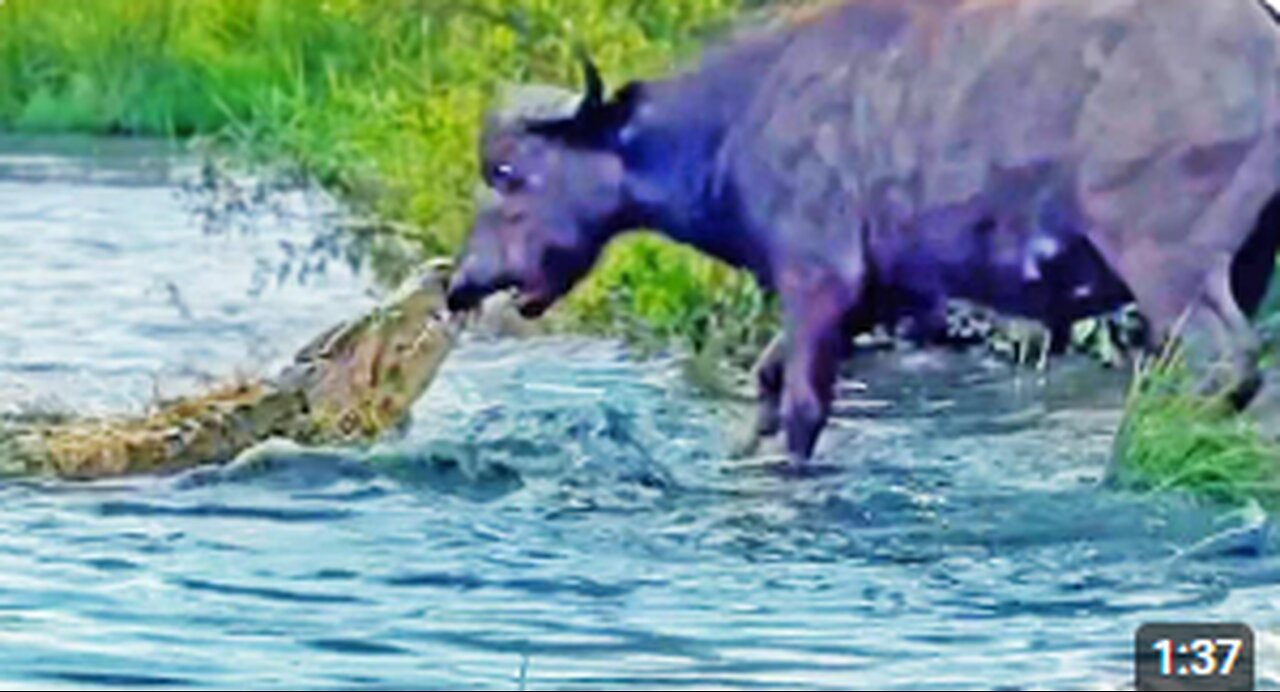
{"x":559,"y":515}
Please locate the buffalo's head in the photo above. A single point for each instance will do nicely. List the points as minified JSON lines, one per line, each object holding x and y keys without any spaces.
{"x":554,"y":196}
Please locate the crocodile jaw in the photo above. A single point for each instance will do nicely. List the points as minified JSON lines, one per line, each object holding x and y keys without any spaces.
{"x":367,"y":378}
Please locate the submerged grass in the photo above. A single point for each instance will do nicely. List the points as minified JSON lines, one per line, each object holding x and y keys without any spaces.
{"x":382,"y":101}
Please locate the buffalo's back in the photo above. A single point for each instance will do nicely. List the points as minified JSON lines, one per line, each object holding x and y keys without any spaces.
{"x":891,"y":109}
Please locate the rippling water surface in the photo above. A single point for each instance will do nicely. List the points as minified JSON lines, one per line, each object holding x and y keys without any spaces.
{"x":558,"y":516}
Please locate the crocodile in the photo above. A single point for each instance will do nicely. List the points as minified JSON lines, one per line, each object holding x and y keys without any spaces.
{"x":350,"y":385}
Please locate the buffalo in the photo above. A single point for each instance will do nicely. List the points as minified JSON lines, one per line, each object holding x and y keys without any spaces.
{"x":1051,"y":159}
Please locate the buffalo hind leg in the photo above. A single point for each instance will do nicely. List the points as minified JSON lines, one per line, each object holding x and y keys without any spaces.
{"x":1236,"y":375}
{"x":1255,"y":262}
{"x":1207,"y":320}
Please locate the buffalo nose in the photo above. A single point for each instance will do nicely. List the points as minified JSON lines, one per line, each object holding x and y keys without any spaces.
{"x":464,"y":295}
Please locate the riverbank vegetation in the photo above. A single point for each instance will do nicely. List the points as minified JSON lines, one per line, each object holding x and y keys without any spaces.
{"x":1172,"y":439}
{"x":380,"y":100}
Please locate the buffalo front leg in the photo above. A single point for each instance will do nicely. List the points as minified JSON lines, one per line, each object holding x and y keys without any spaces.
{"x":821,"y":311}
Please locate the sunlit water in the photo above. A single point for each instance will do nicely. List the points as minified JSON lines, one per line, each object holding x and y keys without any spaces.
{"x":558,"y":516}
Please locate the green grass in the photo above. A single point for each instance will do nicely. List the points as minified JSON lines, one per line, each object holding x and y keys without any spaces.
{"x":1172,"y":439}
{"x":380,"y":100}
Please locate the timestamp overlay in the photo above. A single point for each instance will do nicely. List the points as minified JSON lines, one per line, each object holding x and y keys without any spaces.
{"x":1195,"y":656}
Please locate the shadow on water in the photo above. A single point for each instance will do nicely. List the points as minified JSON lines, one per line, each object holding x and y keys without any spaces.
{"x":561,"y":516}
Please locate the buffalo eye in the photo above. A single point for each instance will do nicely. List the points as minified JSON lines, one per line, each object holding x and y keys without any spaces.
{"x":503,"y":177}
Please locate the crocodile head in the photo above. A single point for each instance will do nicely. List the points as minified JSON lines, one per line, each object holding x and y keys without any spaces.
{"x":362,"y":377}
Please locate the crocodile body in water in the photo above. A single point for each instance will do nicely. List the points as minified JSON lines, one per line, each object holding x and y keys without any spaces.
{"x":350,"y":385}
